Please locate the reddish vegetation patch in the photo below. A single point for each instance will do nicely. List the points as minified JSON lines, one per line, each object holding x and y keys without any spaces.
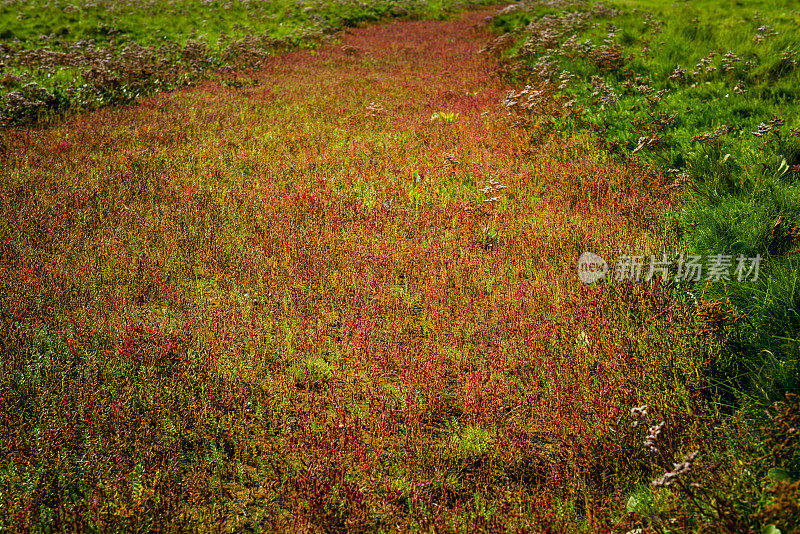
{"x":304,"y":314}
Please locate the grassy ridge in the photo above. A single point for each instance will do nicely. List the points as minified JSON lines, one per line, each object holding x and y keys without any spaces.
{"x":710,"y":95}
{"x":78,"y":55}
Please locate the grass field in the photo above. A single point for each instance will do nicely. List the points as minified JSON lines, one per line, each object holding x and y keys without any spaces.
{"x":337,"y":290}
{"x":705,"y":94}
{"x":62,"y":57}
{"x":710,"y":96}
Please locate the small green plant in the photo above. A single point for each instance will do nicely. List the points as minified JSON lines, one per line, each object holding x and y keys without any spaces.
{"x":445,"y":116}
{"x":472,"y":440}
{"x":312,"y":373}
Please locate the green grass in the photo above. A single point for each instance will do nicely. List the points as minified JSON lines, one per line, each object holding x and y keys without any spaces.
{"x":153,"y":23}
{"x":70,"y":56}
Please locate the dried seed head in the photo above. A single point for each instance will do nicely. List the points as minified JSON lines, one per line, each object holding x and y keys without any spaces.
{"x":653,"y":434}
{"x":375,"y":110}
{"x":678,"y":470}
{"x":450,"y":161}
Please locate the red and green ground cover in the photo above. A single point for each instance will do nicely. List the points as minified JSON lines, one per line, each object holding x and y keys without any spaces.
{"x":284,"y":304}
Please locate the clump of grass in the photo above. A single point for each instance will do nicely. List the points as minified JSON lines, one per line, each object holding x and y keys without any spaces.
{"x":314,"y":373}
{"x":444,"y":116}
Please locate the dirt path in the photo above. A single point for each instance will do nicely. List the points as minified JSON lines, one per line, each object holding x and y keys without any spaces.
{"x":294,"y":309}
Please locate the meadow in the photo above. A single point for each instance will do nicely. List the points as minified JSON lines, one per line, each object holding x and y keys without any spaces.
{"x":709,"y":96}
{"x":60,"y":57}
{"x":335,"y":289}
